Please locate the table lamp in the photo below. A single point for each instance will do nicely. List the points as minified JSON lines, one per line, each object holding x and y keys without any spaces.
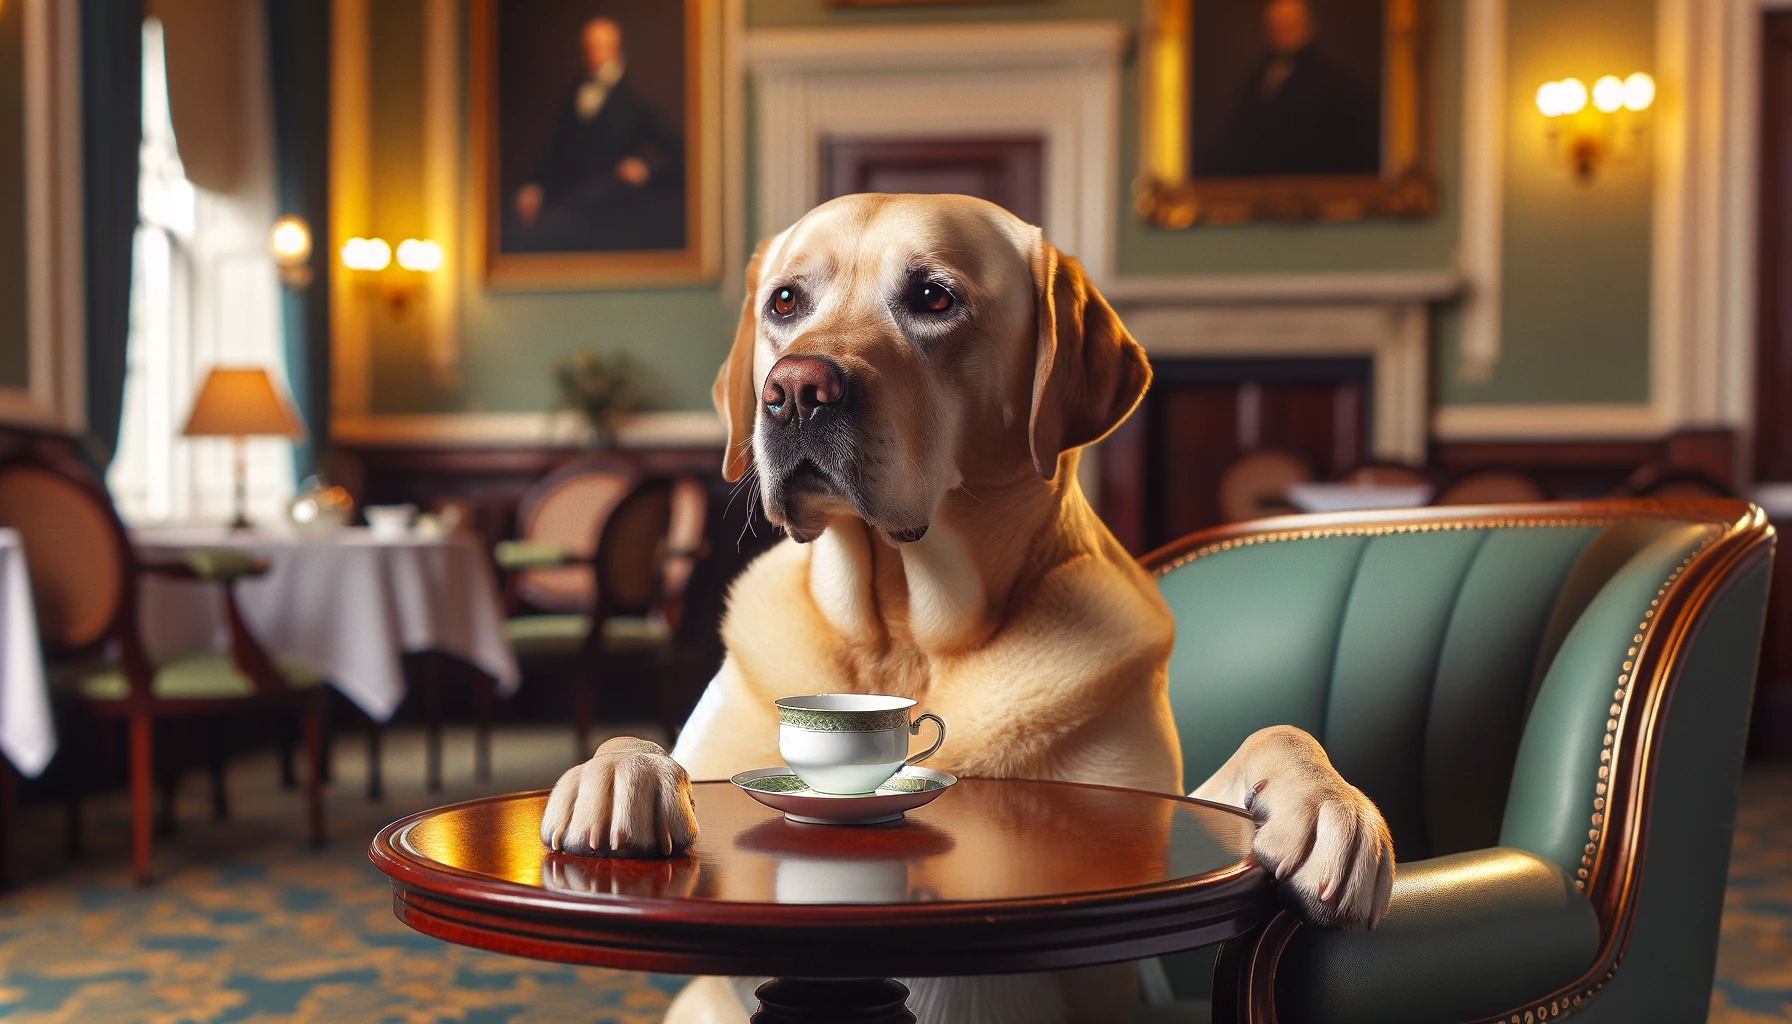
{"x":241,"y":402}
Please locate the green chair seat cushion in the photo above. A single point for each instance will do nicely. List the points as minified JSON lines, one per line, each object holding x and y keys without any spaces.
{"x":528,"y":554}
{"x":207,"y":676}
{"x":556,"y":635}
{"x":221,"y":563}
{"x":1466,"y":936}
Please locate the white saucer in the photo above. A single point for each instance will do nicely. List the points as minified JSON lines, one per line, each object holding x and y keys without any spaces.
{"x":781,"y":789}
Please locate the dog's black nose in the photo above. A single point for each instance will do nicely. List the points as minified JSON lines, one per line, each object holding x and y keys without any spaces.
{"x":800,"y":386}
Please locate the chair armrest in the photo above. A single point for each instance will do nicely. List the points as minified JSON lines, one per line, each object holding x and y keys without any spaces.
{"x":1466,"y":936}
{"x":513,"y":555}
{"x":212,"y":564}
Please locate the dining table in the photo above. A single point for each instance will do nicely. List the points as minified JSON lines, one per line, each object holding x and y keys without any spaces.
{"x":992,"y":877}
{"x":27,"y":730}
{"x":349,"y":601}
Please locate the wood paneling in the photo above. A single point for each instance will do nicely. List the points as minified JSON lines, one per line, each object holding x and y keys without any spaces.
{"x":1773,"y":379}
{"x":1161,"y":472}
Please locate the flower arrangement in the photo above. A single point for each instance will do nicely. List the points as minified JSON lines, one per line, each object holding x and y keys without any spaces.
{"x":604,"y":389}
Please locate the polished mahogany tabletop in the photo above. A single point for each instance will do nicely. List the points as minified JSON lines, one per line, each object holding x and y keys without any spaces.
{"x":993,"y":877}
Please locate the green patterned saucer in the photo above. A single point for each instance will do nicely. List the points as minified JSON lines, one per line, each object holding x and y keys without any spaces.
{"x":780,"y":788}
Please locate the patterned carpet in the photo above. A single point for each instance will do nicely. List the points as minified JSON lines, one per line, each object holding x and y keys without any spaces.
{"x":247,"y":925}
{"x":1754,"y":959}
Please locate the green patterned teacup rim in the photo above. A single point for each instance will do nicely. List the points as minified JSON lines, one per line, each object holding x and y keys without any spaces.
{"x":792,"y":784}
{"x":818,"y":719}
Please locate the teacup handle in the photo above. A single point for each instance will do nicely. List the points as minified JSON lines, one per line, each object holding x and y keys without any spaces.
{"x":914,"y":729}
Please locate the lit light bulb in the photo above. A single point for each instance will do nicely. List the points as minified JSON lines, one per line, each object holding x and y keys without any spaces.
{"x":366,"y":254}
{"x":1639,"y":91}
{"x":420,"y":254}
{"x":290,"y":241}
{"x":1573,"y":95}
{"x":1549,"y":99}
{"x":1608,"y":94}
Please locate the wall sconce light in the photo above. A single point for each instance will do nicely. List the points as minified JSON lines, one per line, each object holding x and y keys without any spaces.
{"x":290,"y":244}
{"x":1587,"y":133}
{"x":374,"y":255}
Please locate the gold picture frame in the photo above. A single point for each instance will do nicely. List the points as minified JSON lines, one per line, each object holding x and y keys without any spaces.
{"x":698,"y":261}
{"x":1168,"y":195}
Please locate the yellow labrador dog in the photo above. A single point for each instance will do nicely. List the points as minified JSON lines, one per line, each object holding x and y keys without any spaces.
{"x":911,"y":380}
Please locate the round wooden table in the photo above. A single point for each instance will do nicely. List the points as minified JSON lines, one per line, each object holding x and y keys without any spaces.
{"x":994,"y":877}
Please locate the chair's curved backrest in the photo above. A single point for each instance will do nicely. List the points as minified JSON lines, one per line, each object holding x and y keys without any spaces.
{"x":1493,"y":676}
{"x":631,"y":554}
{"x":75,"y":548}
{"x":567,"y":508}
{"x":684,"y":538}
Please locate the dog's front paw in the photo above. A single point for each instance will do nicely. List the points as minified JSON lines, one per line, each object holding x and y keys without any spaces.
{"x":629,"y":800}
{"x":1328,"y":846}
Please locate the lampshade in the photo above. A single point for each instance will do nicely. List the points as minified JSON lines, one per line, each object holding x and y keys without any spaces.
{"x":241,"y":402}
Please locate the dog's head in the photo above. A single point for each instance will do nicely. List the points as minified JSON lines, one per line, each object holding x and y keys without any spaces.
{"x":894,"y":347}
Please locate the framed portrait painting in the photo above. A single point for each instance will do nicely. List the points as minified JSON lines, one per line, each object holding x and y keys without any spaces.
{"x":595,"y":141}
{"x":1285,"y":110}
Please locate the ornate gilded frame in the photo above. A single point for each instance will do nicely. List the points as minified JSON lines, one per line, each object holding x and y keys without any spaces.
{"x":1164,"y":194}
{"x":1612,"y":869}
{"x":697,"y":263}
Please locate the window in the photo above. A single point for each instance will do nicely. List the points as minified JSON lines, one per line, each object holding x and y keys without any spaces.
{"x":203,"y":293}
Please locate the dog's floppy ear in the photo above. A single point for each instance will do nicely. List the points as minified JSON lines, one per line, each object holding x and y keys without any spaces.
{"x":1088,"y":373}
{"x":733,"y":391}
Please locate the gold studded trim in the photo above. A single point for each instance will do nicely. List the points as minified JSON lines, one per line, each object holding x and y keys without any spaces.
{"x":1276,"y":536}
{"x":1589,"y":858}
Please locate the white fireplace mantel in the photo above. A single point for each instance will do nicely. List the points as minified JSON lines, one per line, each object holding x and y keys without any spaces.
{"x":1392,"y":335}
{"x":1058,"y":80}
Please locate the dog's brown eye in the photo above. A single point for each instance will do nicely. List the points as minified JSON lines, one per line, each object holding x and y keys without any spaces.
{"x":784,"y":301}
{"x":932,"y":298}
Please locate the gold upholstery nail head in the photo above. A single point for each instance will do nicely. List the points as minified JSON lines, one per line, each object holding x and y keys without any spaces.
{"x":1598,"y":818}
{"x":1631,"y":652}
{"x":1608,"y":739}
{"x":1615,"y":709}
{"x":1599,"y":803}
{"x":1592,"y":833}
{"x":1610,"y":724}
{"x":1629,"y":665}
{"x":1603,"y":770}
{"x":1582,"y":872}
{"x":1600,"y":789}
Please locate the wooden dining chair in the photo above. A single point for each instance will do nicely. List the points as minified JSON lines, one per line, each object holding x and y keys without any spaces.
{"x":85,"y":580}
{"x":627,"y":618}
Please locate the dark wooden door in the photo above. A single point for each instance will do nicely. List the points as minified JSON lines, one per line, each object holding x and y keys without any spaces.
{"x":1003,"y":171}
{"x":1773,"y":395}
{"x":1772,"y":720}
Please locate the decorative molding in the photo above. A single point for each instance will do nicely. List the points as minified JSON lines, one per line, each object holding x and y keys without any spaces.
{"x":1481,"y":242}
{"x":694,"y":429}
{"x":1393,"y":336}
{"x":441,"y":152}
{"x":1702,"y":310}
{"x":1389,"y":286}
{"x":55,"y":279}
{"x":1615,"y":421}
{"x":734,"y":152}
{"x":1059,"y":80}
{"x":351,"y":125}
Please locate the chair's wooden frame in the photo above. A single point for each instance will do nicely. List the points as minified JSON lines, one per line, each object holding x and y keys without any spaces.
{"x":140,"y":708}
{"x":1611,"y":873}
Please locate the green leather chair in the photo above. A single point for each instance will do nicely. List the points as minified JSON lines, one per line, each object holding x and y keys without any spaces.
{"x":1548,"y":703}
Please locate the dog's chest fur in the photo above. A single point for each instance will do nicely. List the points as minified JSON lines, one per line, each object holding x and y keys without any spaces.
{"x":1019,"y":677}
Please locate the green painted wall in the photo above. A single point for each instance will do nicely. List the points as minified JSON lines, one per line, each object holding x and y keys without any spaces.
{"x":1575,"y":309}
{"x":1576,"y":257}
{"x":15,"y":368}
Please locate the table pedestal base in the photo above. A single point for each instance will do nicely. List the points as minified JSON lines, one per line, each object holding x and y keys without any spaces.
{"x":843,"y":1000}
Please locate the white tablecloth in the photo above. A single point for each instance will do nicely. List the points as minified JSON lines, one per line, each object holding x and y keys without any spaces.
{"x":27,"y":732}
{"x":346,"y":602}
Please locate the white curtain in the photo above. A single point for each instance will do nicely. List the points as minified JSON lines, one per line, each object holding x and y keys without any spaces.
{"x":204,"y":292}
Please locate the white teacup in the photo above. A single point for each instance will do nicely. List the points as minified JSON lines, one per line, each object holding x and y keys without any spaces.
{"x":390,"y":522}
{"x":846,"y":744}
